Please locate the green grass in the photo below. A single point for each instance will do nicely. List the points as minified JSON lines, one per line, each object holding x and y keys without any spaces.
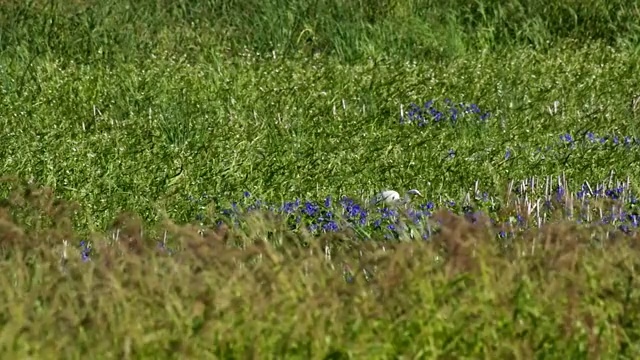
{"x":133,"y":107}
{"x":143,"y":135}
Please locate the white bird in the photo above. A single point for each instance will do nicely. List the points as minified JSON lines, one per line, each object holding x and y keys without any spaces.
{"x":391,"y":197}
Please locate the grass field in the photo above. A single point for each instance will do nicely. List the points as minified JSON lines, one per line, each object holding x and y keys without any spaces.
{"x":192,"y":179}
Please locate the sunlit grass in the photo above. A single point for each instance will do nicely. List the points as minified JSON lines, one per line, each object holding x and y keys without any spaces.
{"x":145,"y":136}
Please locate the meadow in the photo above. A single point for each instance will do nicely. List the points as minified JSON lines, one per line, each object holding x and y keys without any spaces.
{"x":193,"y":179}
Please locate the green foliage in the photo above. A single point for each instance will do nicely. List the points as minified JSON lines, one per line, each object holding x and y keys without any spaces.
{"x":108,"y":31}
{"x":136,"y":106}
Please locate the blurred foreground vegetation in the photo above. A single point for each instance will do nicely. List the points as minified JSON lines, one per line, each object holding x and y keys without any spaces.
{"x":556,"y":292}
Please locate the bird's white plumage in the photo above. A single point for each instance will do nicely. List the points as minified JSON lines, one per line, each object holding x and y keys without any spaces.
{"x":391,"y":197}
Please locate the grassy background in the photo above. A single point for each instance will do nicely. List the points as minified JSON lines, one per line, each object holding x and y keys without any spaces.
{"x":89,"y":31}
{"x":134,"y":107}
{"x":138,"y":106}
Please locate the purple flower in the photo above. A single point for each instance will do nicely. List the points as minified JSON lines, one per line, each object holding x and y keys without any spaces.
{"x":310,"y":208}
{"x":567,"y":138}
{"x":352,"y":209}
{"x":331,"y":226}
{"x":85,"y":251}
{"x":288,"y":207}
{"x":454,"y":114}
{"x":625,"y":229}
{"x":388,"y":213}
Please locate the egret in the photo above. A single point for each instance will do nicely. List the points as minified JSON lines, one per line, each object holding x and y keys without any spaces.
{"x":391,"y":197}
